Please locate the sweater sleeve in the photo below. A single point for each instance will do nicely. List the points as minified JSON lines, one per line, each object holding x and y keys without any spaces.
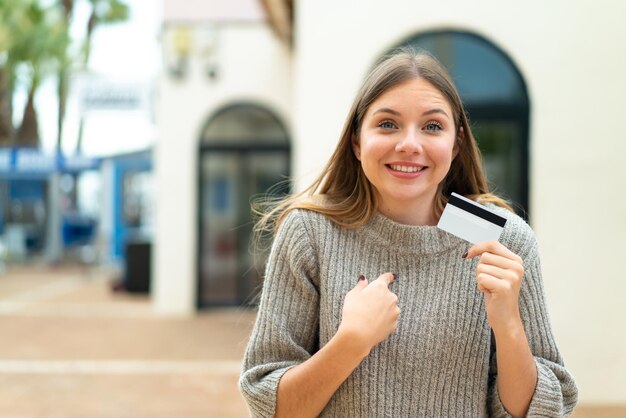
{"x":286,"y":330}
{"x":556,"y":393}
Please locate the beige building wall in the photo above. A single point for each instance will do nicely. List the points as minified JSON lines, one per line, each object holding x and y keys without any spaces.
{"x":571,"y":55}
{"x":252,"y":66}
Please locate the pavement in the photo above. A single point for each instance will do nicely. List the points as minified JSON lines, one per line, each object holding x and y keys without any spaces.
{"x":72,"y":348}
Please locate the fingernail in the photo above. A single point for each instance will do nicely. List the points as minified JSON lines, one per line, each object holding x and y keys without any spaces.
{"x":361,"y":277}
{"x":464,"y":254}
{"x":395,"y":276}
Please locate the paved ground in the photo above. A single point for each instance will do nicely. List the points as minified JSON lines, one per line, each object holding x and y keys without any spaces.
{"x":70,"y":348}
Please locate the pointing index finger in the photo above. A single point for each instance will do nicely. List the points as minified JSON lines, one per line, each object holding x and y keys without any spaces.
{"x":387,"y":278}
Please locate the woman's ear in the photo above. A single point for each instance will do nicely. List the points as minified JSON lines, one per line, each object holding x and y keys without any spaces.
{"x":356,"y":147}
{"x":459,"y":139}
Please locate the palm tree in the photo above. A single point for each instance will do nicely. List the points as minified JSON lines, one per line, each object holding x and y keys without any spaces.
{"x":35,"y":39}
{"x":11,"y":15}
{"x":6,"y":111}
{"x":45,"y":40}
{"x":32,"y":43}
{"x":103,"y":12}
{"x":67,"y":7}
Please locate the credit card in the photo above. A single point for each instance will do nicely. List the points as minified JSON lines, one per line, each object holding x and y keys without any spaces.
{"x":470,"y":221}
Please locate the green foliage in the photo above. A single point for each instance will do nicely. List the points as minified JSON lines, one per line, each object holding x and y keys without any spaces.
{"x":41,"y":42}
{"x":35,"y":42}
{"x":103,"y":12}
{"x":110,"y":11}
{"x":38,"y":35}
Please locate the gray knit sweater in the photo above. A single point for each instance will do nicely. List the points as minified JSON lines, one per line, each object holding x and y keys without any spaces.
{"x":439,"y":362}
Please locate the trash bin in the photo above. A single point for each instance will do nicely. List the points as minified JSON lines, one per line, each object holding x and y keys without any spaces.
{"x":137,"y":272}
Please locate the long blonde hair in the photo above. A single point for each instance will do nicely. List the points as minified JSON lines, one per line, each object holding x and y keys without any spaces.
{"x":343,"y":193}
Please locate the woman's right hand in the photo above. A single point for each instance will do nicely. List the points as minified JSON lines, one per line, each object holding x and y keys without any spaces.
{"x":370,"y":312}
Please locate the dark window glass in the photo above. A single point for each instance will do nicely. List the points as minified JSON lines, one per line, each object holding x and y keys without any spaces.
{"x":244,"y":124}
{"x":244,"y":152}
{"x":495,"y":98}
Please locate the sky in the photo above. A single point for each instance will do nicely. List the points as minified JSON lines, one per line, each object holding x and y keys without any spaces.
{"x":123,"y":55}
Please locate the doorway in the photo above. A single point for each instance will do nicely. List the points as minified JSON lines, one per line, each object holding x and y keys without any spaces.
{"x":244,"y":153}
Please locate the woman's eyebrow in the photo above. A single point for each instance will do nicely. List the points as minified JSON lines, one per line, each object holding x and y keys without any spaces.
{"x":387,"y":110}
{"x":436,"y":110}
{"x":426,"y":113}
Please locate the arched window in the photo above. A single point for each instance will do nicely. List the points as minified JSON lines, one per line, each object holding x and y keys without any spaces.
{"x":495,"y":97}
{"x":244,"y":125}
{"x":244,"y":151}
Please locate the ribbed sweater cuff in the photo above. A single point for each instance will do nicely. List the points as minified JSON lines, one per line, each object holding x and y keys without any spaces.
{"x":262,"y":396}
{"x":547,"y":401}
{"x":548,"y":398}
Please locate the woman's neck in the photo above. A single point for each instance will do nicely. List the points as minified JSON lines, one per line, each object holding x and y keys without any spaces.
{"x":419,"y":213}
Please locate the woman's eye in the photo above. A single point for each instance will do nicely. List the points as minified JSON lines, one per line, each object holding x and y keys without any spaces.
{"x":433,"y":126}
{"x":387,"y":125}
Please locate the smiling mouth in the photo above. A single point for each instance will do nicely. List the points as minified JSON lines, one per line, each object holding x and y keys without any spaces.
{"x":406,"y":168}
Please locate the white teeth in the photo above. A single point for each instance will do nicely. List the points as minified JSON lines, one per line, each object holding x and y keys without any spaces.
{"x":405,"y":168}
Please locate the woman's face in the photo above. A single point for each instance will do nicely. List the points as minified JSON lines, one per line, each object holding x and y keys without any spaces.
{"x":407,"y":143}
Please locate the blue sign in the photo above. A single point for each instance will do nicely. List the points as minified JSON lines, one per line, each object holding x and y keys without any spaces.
{"x":76,"y":163}
{"x":6,"y":160}
{"x":32,"y":163}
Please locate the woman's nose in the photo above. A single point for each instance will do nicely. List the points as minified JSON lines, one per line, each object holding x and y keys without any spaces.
{"x":410,"y":143}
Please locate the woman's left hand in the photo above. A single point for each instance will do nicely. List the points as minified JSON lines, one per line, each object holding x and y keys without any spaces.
{"x":499,"y":275}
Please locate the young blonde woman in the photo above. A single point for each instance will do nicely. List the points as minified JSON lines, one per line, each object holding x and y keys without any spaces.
{"x":368,"y":309}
